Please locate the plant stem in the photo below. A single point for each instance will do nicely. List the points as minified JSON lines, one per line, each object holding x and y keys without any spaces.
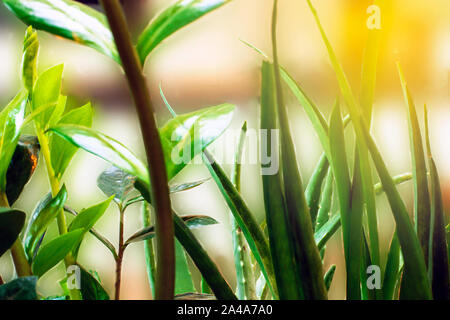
{"x":165,"y":270}
{"x":119,"y":256}
{"x":20,"y":260}
{"x":148,"y":248}
{"x":69,"y":260}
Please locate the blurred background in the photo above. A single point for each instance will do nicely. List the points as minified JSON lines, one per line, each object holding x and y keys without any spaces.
{"x":206,"y":64}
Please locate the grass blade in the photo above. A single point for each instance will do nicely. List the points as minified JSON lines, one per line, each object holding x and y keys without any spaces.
{"x":276,"y":216}
{"x":422,"y":204}
{"x":392,"y":271}
{"x":307,"y":256}
{"x":438,"y":258}
{"x":414,"y":261}
{"x":329,"y":276}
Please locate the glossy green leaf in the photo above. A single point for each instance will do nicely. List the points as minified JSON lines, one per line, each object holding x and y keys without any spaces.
{"x":45,"y":212}
{"x":438,"y":266}
{"x":104,"y":147}
{"x":47,"y":93}
{"x":62,"y":151}
{"x":68,"y":19}
{"x":29,"y":59}
{"x":53,"y":252}
{"x":91,"y":288}
{"x":19,"y":289}
{"x":275,"y":207}
{"x":422,"y":205}
{"x":11,"y":119}
{"x":191,"y":221}
{"x":314,"y":188}
{"x":398,"y":179}
{"x":11,"y":223}
{"x":187,"y":186}
{"x":115,"y":182}
{"x":414,"y":261}
{"x":325,"y":232}
{"x":326,"y":199}
{"x":189,"y":134}
{"x":21,"y":167}
{"x":171,"y":19}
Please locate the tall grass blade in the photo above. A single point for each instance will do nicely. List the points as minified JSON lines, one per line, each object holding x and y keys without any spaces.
{"x":438,"y":259}
{"x":392,"y":271}
{"x":306,"y":254}
{"x":414,"y":261}
{"x":276,"y":215}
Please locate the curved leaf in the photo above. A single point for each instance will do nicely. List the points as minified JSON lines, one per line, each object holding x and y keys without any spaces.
{"x":11,"y":119}
{"x":176,"y":16}
{"x":22,"y":166}
{"x":68,"y":19}
{"x":55,"y":251}
{"x":114,"y":181}
{"x":43,"y":215}
{"x":29,"y":59}
{"x":91,"y":288}
{"x":11,"y":223}
{"x":191,"y":221}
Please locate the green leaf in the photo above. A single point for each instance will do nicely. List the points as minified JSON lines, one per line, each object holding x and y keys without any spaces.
{"x":104,"y":147}
{"x":253,"y":234}
{"x":68,"y":19}
{"x":324,"y":233}
{"x":275,"y":207}
{"x":187,"y":186}
{"x":91,"y":289}
{"x":45,"y":212}
{"x":55,"y":251}
{"x":47,"y":93}
{"x":29,"y":59}
{"x":21,"y":167}
{"x":314,"y":188}
{"x":189,"y":134}
{"x":87,"y":218}
{"x":328,"y":278}
{"x":11,"y":223}
{"x":392,"y":271}
{"x":412,"y":252}
{"x":19,"y":289}
{"x":62,"y":151}
{"x":326,"y":199}
{"x":183,"y":277}
{"x":422,"y":206}
{"x":199,"y":256}
{"x":115,"y":182}
{"x":171,"y":19}
{"x":438,"y":266}
{"x":191,"y":221}
{"x":11,"y":120}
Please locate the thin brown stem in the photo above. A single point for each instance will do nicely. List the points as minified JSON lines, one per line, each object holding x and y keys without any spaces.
{"x":119,"y":257}
{"x":165,"y":269}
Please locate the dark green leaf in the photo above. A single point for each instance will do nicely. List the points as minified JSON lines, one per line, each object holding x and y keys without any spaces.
{"x":392,"y":272}
{"x":91,"y":289}
{"x":174,"y":17}
{"x":62,"y":151}
{"x":68,"y":19}
{"x":438,"y":260}
{"x":11,"y":120}
{"x":43,"y":215}
{"x":275,"y":207}
{"x":19,"y":289}
{"x":55,"y":251}
{"x":195,"y":296}
{"x":191,"y":221}
{"x":183,"y":276}
{"x":22,"y":166}
{"x":11,"y":223}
